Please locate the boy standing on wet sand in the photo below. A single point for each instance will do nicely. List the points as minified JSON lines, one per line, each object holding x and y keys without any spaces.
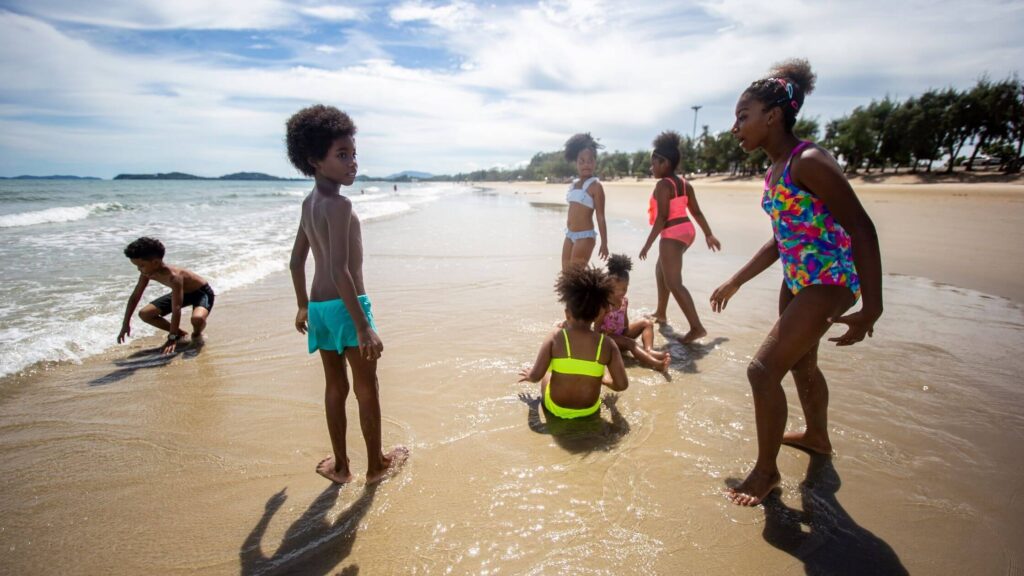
{"x":336,"y":316}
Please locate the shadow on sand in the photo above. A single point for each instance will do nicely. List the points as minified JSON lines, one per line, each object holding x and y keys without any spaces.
{"x":580,"y":435}
{"x":685,"y":356}
{"x":823,"y":535}
{"x":147,"y":358}
{"x":312,"y":544}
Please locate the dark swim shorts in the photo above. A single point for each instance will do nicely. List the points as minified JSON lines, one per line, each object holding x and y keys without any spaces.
{"x":202,"y":297}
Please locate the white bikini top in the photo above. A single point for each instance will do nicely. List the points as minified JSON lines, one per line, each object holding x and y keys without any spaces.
{"x":579,"y":195}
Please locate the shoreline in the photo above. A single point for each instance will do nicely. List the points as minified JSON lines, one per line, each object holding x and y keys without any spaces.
{"x":966,"y":236}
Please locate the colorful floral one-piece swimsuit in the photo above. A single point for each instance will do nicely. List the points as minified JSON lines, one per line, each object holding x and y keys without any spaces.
{"x":813,"y":247}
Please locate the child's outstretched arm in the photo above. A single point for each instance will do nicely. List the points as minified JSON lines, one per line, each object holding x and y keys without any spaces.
{"x":617,"y":370}
{"x":133,"y":301}
{"x":597,"y":192}
{"x":540,"y":365}
{"x":764,"y":258}
{"x":819,"y":173}
{"x":702,"y":221}
{"x":297,"y":266}
{"x":661,"y":196}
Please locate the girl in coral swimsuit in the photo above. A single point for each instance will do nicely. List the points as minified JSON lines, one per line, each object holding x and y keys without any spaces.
{"x":673,"y":202}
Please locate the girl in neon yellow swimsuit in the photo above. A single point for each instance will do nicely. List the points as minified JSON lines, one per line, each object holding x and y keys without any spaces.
{"x":576,"y":355}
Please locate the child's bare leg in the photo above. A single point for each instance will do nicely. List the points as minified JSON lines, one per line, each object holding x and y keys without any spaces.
{"x":582,"y":250}
{"x":151,"y":315}
{"x":813,"y":392}
{"x":335,"y":468}
{"x":661,"y":312}
{"x":566,"y":254}
{"x":801,"y":325}
{"x":199,"y":315}
{"x":627,"y":344}
{"x":670,"y":259}
{"x":644,"y":329}
{"x":364,"y":378}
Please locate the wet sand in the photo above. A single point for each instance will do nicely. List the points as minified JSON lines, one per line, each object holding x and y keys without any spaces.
{"x":204,"y":463}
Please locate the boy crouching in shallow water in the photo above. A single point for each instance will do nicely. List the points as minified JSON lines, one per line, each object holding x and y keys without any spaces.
{"x":187,"y":289}
{"x":336,"y":316}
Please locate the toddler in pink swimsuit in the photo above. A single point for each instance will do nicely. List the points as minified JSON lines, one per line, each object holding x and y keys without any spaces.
{"x":615,"y":323}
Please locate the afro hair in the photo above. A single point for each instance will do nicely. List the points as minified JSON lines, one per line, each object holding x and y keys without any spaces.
{"x":584,"y":290}
{"x":311,"y":131}
{"x":619,"y":266}
{"x":578,"y":143}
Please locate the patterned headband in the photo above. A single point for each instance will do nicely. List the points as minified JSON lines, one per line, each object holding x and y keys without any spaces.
{"x":790,"y":89}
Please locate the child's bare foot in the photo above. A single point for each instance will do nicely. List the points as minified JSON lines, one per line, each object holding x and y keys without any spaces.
{"x":392,"y":463}
{"x":754,"y":489}
{"x":803,"y":441}
{"x":658,"y":355}
{"x":693,"y":335}
{"x":327,"y":469}
{"x":665,"y":363}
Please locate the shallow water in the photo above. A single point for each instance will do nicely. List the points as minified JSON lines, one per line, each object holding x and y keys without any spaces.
{"x":204,"y":462}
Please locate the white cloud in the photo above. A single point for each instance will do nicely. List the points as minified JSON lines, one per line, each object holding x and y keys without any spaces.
{"x":454,"y":16}
{"x":335,"y":13}
{"x":521,"y":79}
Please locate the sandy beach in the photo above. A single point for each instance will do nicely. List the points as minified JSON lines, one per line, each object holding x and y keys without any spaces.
{"x":203,"y":462}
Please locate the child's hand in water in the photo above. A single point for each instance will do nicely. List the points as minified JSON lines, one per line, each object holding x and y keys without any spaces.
{"x":713,"y":244}
{"x":858,"y":324}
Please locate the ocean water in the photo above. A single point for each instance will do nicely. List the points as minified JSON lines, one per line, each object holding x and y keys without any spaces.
{"x":65,"y":280}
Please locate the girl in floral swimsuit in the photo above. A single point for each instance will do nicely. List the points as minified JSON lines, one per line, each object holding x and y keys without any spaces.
{"x":830,"y":258}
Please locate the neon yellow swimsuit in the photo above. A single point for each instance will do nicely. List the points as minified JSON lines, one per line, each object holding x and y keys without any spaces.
{"x":576,"y":366}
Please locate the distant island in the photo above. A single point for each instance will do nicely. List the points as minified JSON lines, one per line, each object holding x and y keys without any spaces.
{"x":248,"y":176}
{"x":54,"y":177}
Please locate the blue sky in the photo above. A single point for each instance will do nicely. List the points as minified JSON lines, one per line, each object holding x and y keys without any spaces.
{"x":205,"y":86}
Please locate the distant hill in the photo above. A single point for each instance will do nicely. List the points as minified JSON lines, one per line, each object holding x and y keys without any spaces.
{"x":248,"y":176}
{"x":409,"y":174}
{"x":54,"y":177}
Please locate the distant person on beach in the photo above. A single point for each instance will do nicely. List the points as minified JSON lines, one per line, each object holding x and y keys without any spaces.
{"x":614,"y":320}
{"x":585,"y":198}
{"x":575,"y":354}
{"x":336,"y":316}
{"x":672,"y":204}
{"x":187,"y":289}
{"x":830,"y":256}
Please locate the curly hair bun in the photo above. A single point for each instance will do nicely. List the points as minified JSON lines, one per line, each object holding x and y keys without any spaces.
{"x":619,"y":265}
{"x":578,"y":143}
{"x":797,"y":71}
{"x":667,"y":139}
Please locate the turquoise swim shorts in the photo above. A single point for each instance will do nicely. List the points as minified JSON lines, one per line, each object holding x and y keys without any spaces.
{"x":330,"y":327}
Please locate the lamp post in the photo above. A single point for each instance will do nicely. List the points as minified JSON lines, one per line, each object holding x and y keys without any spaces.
{"x":695,"y":110}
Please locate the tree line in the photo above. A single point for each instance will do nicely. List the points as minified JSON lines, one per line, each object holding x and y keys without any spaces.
{"x":886,"y":134}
